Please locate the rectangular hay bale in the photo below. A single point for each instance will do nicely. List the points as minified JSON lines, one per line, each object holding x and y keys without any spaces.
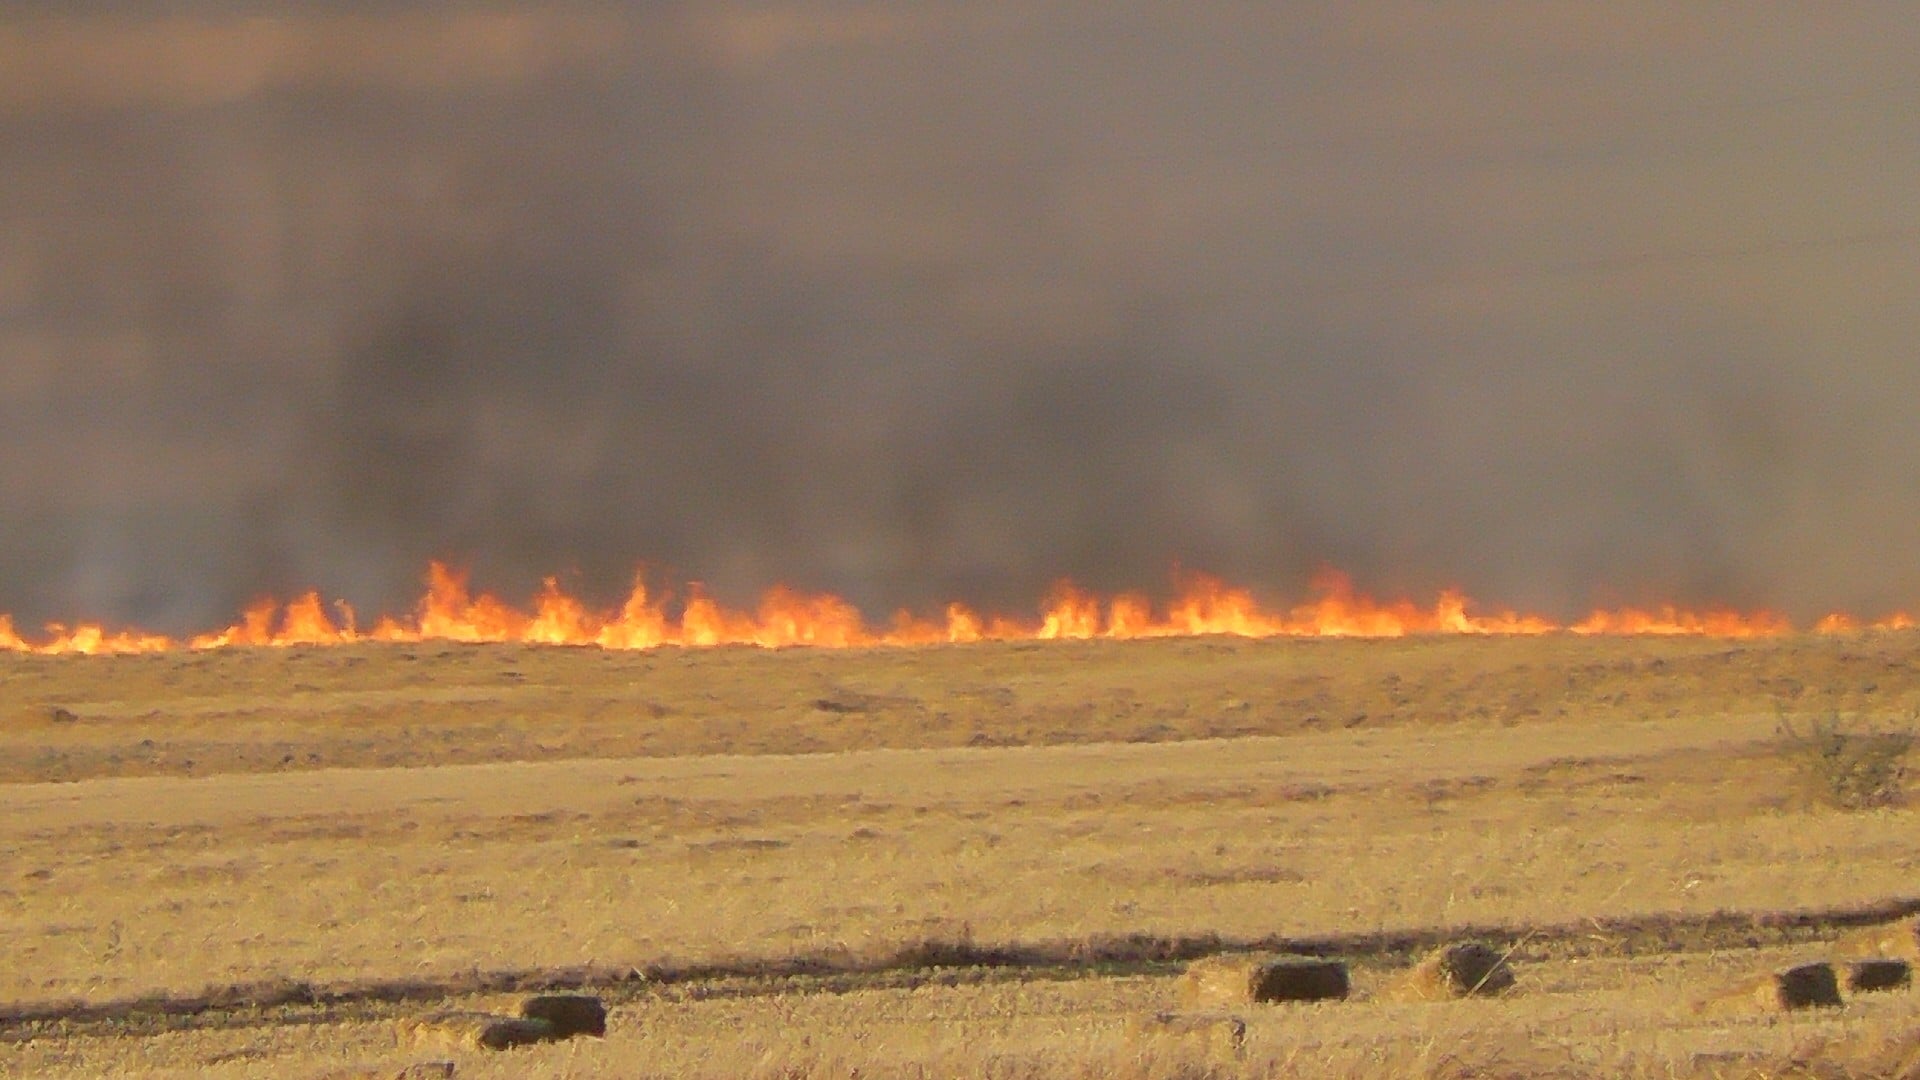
{"x":570,"y":1014}
{"x":1789,"y":990}
{"x":1807,"y":986}
{"x":1867,"y":976}
{"x":1457,"y":970}
{"x":1262,"y":979}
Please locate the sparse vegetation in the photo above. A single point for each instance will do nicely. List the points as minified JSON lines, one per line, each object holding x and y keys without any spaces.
{"x":1848,"y":764}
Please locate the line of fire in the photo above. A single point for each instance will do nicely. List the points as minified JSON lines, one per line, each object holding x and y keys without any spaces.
{"x":452,"y":611}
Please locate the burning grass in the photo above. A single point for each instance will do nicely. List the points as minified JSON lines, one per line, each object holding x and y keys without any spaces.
{"x":451,"y":611}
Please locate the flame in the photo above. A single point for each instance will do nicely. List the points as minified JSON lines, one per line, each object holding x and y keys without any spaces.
{"x":451,"y":611}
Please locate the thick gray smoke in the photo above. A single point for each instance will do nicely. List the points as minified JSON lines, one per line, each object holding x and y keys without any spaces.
{"x":1562,"y":304}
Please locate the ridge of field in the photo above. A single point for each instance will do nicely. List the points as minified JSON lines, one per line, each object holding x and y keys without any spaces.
{"x":247,"y":710}
{"x":1570,"y":1018}
{"x":943,"y":961}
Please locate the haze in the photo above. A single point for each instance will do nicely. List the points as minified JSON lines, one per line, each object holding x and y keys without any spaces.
{"x":1559,"y":303}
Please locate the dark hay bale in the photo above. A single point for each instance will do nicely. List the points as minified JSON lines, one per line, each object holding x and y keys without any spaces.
{"x":1866,"y":976}
{"x":1303,"y":980}
{"x":1806,"y":986}
{"x":570,"y":1014}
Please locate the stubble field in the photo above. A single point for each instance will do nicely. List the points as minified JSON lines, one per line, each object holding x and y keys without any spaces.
{"x":977,"y":860}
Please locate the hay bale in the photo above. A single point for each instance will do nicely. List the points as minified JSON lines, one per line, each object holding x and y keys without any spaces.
{"x":1806,"y":986}
{"x":1213,"y":1032}
{"x":1867,"y":976}
{"x":1303,"y":980}
{"x":474,"y":1031}
{"x":1803,"y":987}
{"x":1461,"y":969}
{"x":570,"y":1014}
{"x":1896,"y":940}
{"x":1259,"y":979}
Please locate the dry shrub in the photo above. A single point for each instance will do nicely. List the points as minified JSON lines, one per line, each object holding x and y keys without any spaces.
{"x":1461,"y":969}
{"x":1212,"y":1032}
{"x":570,"y":1014}
{"x":1803,"y":987}
{"x":474,"y":1031}
{"x":1256,"y":979}
{"x":1856,"y":769}
{"x":1866,"y":976}
{"x":1899,"y":940}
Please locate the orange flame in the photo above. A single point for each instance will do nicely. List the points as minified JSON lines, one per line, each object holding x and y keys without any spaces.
{"x":451,"y":611}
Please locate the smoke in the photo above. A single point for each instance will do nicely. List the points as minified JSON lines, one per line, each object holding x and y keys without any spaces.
{"x":948,"y":301}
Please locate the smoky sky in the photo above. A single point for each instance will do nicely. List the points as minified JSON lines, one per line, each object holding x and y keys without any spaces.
{"x":1563,"y":304}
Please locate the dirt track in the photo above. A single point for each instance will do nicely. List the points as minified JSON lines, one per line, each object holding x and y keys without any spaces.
{"x":508,"y":789}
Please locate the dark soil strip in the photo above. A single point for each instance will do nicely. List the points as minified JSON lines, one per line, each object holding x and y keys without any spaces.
{"x":934,"y":961}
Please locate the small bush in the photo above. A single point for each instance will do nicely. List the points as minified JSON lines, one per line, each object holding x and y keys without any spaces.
{"x":1853,"y":768}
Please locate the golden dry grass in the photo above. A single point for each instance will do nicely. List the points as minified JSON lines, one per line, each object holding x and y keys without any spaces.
{"x":473,"y":1031}
{"x":1899,"y":939}
{"x":1213,"y":1035}
{"x":364,"y":824}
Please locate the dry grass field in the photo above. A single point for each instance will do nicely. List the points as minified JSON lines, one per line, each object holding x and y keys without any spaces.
{"x":978,"y":860}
